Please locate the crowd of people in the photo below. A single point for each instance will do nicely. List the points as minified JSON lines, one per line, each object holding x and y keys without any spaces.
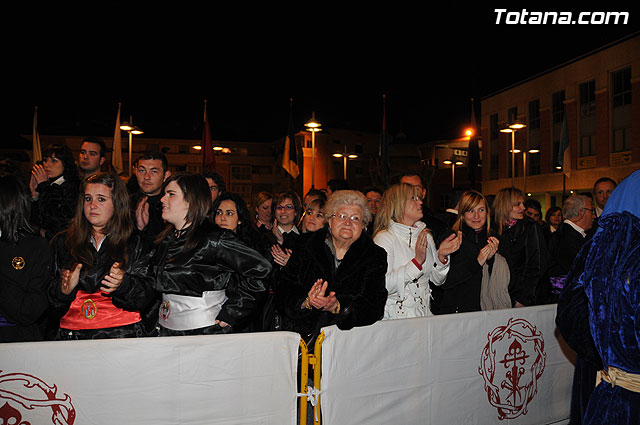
{"x":89,"y":255}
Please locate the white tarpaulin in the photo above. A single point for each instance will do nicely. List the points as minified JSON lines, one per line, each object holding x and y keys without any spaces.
{"x":502,"y":366}
{"x":217,"y":379}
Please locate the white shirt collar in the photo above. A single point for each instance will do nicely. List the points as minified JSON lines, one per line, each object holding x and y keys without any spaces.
{"x":59,"y":180}
{"x":93,"y":242}
{"x":577,"y":228}
{"x":294,"y":229}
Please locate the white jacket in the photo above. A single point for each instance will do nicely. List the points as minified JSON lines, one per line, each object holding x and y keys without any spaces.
{"x":408,"y":286}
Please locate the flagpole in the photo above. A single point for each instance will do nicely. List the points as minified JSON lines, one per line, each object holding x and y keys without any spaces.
{"x":204,"y":147}
{"x":116,"y":147}
{"x":35,"y":142}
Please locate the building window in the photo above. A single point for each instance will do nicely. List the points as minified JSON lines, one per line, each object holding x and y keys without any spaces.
{"x":243,"y":190}
{"x":588,"y":118}
{"x":533,"y":160}
{"x":621,"y":82}
{"x":512,"y":115}
{"x":557,"y":106}
{"x":534,"y":114}
{"x":241,"y":172}
{"x":621,"y":111}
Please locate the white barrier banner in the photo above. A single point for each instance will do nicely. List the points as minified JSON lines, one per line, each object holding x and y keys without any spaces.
{"x":504,"y":366}
{"x":217,"y":379}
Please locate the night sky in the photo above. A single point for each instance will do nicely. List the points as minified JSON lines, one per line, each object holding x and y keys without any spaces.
{"x":248,"y":61}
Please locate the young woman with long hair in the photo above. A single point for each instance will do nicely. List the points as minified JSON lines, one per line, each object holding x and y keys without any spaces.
{"x":210,"y":281}
{"x":25,"y":261}
{"x":91,"y":260}
{"x":54,"y":190}
{"x":519,"y":245}
{"x":461,"y":292}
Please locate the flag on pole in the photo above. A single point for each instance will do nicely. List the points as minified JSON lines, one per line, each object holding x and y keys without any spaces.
{"x":474,"y":150}
{"x":116,"y":154}
{"x":290,"y":155}
{"x":208,"y":158}
{"x":564,"y":151}
{"x":383,"y":151}
{"x":37,"y":149}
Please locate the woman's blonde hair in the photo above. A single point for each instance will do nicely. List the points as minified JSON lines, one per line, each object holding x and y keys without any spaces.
{"x":503,"y":204}
{"x":392,"y":205}
{"x":468,"y":201}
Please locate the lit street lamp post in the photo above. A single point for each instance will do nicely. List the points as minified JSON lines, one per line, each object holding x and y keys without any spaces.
{"x":131,"y":129}
{"x":453,"y":164}
{"x":313,"y":126}
{"x":344,"y":155}
{"x":512,"y":128}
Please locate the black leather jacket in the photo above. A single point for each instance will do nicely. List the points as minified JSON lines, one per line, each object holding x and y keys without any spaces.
{"x":91,"y":276}
{"x":219,"y":261}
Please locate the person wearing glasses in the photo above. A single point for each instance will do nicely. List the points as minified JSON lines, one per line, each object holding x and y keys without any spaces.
{"x":579,"y":215}
{"x":338,"y":275}
{"x":411,"y":252}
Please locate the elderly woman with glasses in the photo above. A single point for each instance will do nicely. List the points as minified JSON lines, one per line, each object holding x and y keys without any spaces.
{"x":337,"y":276}
{"x":411,"y":252}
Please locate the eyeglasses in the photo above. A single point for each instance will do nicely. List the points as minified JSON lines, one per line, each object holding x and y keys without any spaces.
{"x":285,"y":207}
{"x":593,"y":211}
{"x":354,"y":219}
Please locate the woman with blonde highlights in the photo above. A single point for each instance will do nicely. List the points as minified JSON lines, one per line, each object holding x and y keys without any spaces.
{"x":412,"y":257}
{"x":519,"y":245}
{"x":461,"y":291}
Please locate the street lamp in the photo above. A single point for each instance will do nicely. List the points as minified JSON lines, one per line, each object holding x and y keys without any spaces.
{"x":131,"y":129}
{"x":345,"y":155}
{"x":512,"y":128}
{"x":453,"y":164}
{"x":313,"y":126}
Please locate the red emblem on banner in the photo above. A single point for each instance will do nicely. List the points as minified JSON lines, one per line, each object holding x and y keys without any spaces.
{"x":511,"y":364}
{"x":26,"y":394}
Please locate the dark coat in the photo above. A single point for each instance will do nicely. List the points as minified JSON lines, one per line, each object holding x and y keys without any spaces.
{"x":358,"y":281}
{"x":461,"y":291}
{"x":91,"y":278}
{"x":219,"y":261}
{"x":520,"y":246}
{"x":55,"y":207}
{"x":156,"y":222}
{"x":24,"y":273}
{"x":563,"y":248}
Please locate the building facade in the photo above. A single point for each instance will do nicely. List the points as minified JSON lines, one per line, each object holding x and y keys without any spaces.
{"x":597,"y":94}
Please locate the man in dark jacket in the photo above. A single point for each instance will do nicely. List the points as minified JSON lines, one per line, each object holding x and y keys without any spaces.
{"x":568,"y":239}
{"x":151,"y":170}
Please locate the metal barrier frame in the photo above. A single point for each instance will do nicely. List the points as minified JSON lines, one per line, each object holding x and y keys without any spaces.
{"x":315,"y":360}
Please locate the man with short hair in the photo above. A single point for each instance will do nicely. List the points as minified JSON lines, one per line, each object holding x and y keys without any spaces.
{"x":151,"y":170}
{"x":92,"y":156}
{"x":216,"y":183}
{"x":566,"y":242}
{"x":602,"y":189}
{"x":374,"y":197}
{"x":534,"y":210}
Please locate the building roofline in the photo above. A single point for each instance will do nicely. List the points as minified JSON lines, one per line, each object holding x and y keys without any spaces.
{"x":569,"y":62}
